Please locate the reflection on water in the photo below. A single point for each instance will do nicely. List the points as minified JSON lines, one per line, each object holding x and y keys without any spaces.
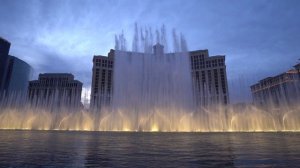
{"x":121,"y":149}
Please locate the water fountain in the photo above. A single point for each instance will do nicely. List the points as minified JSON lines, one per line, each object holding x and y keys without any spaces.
{"x":152,"y":92}
{"x":149,"y":82}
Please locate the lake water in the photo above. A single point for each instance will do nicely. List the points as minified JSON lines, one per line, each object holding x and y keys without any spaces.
{"x":123,"y":149}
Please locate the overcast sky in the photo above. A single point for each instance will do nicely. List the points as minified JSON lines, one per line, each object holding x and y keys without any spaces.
{"x":260,"y":38}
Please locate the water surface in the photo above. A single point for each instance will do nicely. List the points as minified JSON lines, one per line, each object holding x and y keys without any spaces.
{"x":123,"y":149}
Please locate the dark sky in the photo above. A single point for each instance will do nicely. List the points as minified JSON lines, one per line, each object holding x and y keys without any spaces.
{"x":260,"y":38}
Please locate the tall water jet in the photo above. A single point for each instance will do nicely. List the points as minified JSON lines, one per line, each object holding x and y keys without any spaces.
{"x":148,"y":81}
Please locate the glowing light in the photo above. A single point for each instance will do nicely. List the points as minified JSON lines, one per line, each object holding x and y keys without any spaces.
{"x":126,"y":129}
{"x":250,"y":120}
{"x":154,"y":128}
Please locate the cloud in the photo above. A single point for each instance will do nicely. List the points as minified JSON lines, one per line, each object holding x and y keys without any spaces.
{"x":259,"y":38}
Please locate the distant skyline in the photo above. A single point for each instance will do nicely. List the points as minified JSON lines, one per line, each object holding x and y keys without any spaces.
{"x":260,"y":38}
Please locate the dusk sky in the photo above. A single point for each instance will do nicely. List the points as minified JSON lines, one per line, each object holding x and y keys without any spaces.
{"x":260,"y":38}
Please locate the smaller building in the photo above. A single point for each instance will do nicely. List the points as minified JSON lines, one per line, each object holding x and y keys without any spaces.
{"x":55,"y":91}
{"x":280,"y":90}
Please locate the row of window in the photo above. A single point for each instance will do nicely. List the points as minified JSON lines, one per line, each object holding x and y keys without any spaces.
{"x":206,"y":64}
{"x":104,"y":63}
{"x":197,"y":57}
{"x":49,"y":84}
{"x":54,"y":78}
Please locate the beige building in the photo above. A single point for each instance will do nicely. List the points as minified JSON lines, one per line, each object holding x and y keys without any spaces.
{"x":55,"y":90}
{"x":209,"y":78}
{"x":102,"y":81}
{"x":280,"y":90}
{"x":208,"y":75}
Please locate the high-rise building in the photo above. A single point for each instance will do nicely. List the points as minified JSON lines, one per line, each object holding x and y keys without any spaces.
{"x":208,"y":73}
{"x":101,"y":92}
{"x":14,"y":72}
{"x":17,"y":76}
{"x":280,"y":90}
{"x":4,"y":59}
{"x":55,"y":91}
{"x":209,"y":78}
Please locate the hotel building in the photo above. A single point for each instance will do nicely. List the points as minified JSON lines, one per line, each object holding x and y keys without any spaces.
{"x":209,"y":78}
{"x":102,"y":81}
{"x":280,"y":90}
{"x":55,"y":91}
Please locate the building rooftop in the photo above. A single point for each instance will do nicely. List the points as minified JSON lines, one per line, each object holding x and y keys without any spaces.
{"x":16,"y":58}
{"x":1,"y":38}
{"x":205,"y":52}
{"x":199,"y":51}
{"x":68,"y":76}
{"x":56,"y":74}
{"x":297,"y":66}
{"x":267,"y":79}
{"x":100,"y":57}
